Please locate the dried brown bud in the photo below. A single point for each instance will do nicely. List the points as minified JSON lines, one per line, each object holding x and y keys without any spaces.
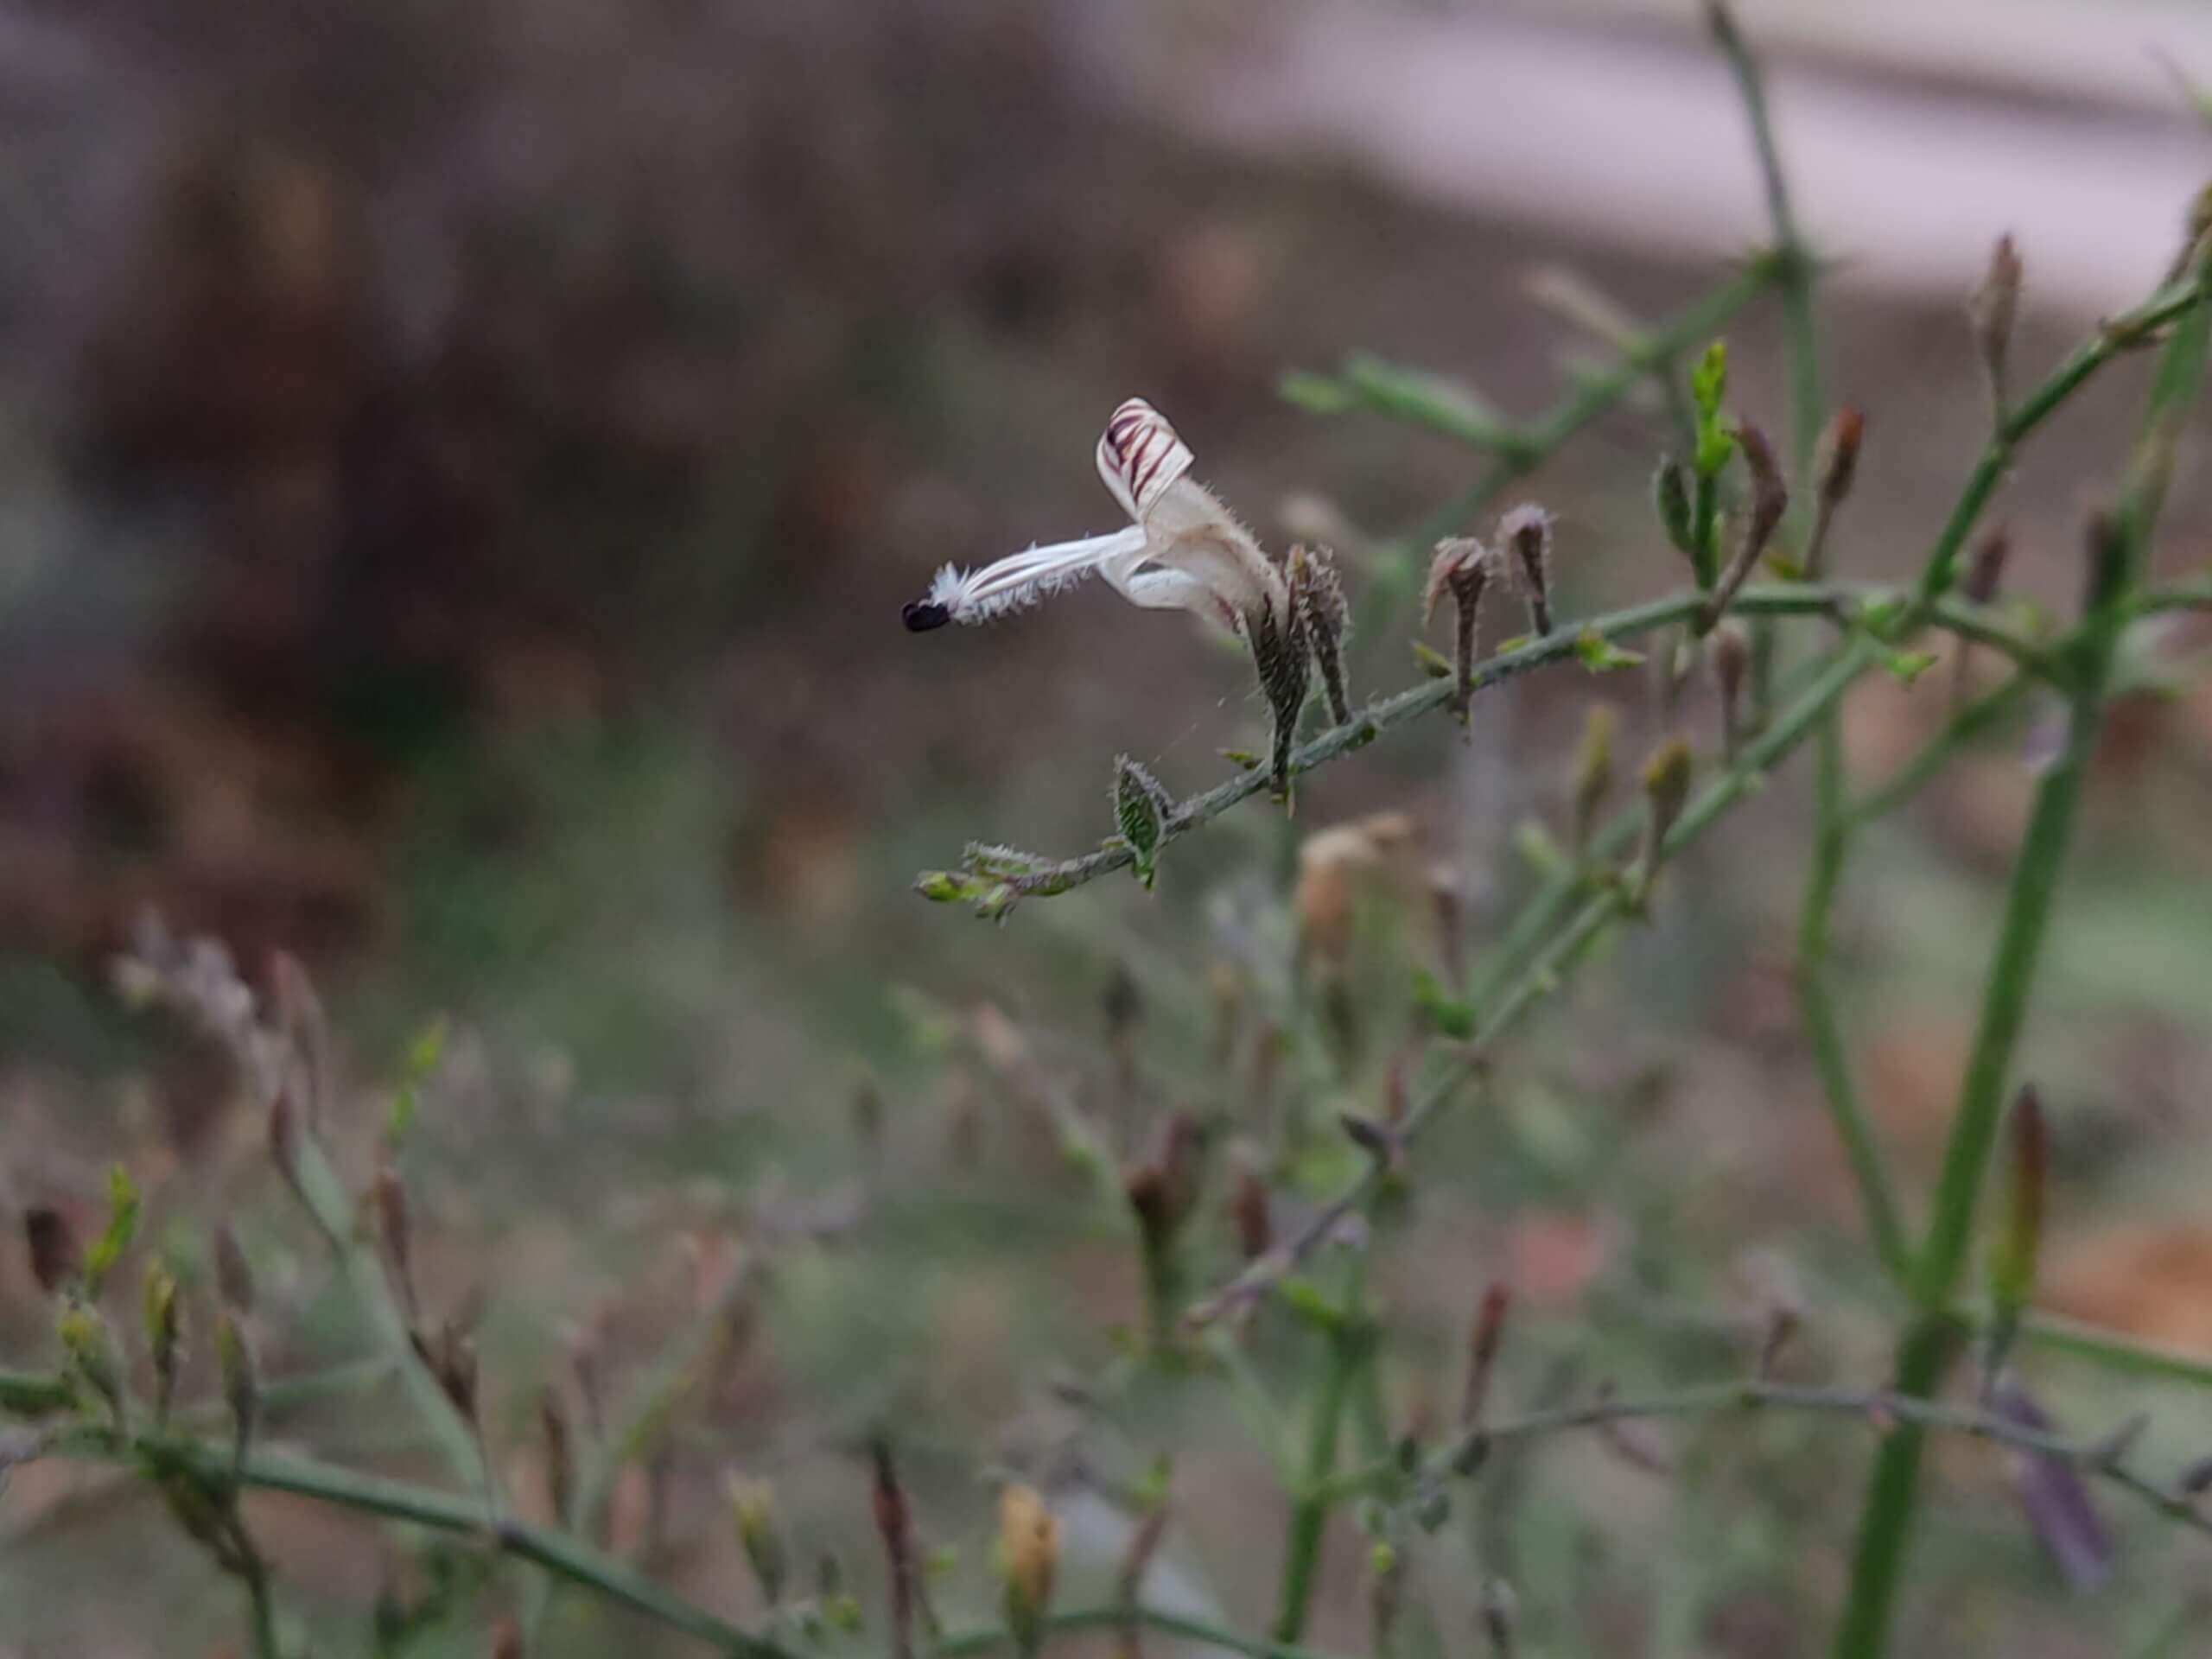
{"x":1729,"y":648}
{"x":1248,"y":1206}
{"x":1770,"y":501}
{"x":1985,"y":570}
{"x":241,"y":1374}
{"x":1281,"y":651}
{"x":284,"y":1137}
{"x":1835,"y":459}
{"x":392,"y":1230}
{"x":233,"y":1274}
{"x":1462,"y":567}
{"x":55,"y":1259}
{"x":1484,"y":1339}
{"x":1525,"y":533}
{"x":507,"y":1639}
{"x":1318,"y":594}
{"x":1995,"y":306}
{"x":560,"y":1454}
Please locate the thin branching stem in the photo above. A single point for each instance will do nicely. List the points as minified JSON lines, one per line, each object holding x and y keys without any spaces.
{"x":1837,"y":602}
{"x":1559,"y":951}
{"x":1931,"y":1341}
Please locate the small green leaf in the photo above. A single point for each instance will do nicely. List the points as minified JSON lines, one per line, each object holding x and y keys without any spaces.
{"x":1450,"y":1017}
{"x":1906,"y":666}
{"x":1244,"y":759}
{"x":941,"y":887}
{"x":1141,"y":807}
{"x":1309,"y":1302}
{"x":1600,"y":655}
{"x":1544,"y":856}
{"x":1432,"y":662}
{"x":1317,"y":394}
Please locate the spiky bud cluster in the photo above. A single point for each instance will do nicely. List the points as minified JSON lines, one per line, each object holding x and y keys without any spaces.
{"x":1143,"y":808}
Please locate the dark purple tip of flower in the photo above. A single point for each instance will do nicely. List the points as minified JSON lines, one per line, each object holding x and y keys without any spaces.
{"x":921,"y":616}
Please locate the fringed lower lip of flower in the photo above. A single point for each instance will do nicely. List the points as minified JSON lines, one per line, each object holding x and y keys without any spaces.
{"x":1182,"y":551}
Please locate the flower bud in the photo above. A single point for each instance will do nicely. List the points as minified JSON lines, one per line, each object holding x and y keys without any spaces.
{"x":233,"y":1274}
{"x":1248,"y":1206}
{"x":52,"y":1242}
{"x":560,"y":1454}
{"x":1279,"y":655}
{"x":90,"y":1345}
{"x":1670,"y":497}
{"x":1666,"y":791}
{"x":1985,"y":569}
{"x":393,"y":1231}
{"x":1730,"y":649}
{"x":1462,"y":566}
{"x":1593,"y":770}
{"x":1484,"y":1339}
{"x":1992,"y":310}
{"x":121,"y":1227}
{"x":1142,"y":808}
{"x":753,"y":1504}
{"x":1835,"y":458}
{"x":1770,"y":500}
{"x":241,"y":1373}
{"x":1526,"y":533}
{"x":1029,"y":1554}
{"x":164,"y":1333}
{"x":1318,"y":594}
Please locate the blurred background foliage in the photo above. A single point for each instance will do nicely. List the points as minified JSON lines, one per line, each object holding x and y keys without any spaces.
{"x":461,"y":465}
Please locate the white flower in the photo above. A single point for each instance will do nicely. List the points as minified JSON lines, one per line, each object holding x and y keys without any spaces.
{"x":1183,"y":550}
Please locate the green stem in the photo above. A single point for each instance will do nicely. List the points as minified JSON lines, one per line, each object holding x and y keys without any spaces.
{"x":1836,"y":601}
{"x":1885,"y":1524}
{"x":1346,"y":1352}
{"x":331,"y":1207}
{"x":2119,"y":1352}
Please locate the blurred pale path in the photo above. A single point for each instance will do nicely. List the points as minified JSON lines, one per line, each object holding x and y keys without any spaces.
{"x":1914,"y":133}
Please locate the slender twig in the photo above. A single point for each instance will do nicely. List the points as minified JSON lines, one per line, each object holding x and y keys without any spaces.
{"x":1558,"y":954}
{"x":2115,"y":1350}
{"x":1835,"y":601}
{"x":331,"y":1208}
{"x":1343,"y":1353}
{"x":1882,"y":1409}
{"x":656,"y":1395}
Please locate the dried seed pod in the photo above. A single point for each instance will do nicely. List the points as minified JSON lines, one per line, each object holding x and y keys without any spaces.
{"x":233,"y":1274}
{"x":1729,"y":648}
{"x":1986,"y":568}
